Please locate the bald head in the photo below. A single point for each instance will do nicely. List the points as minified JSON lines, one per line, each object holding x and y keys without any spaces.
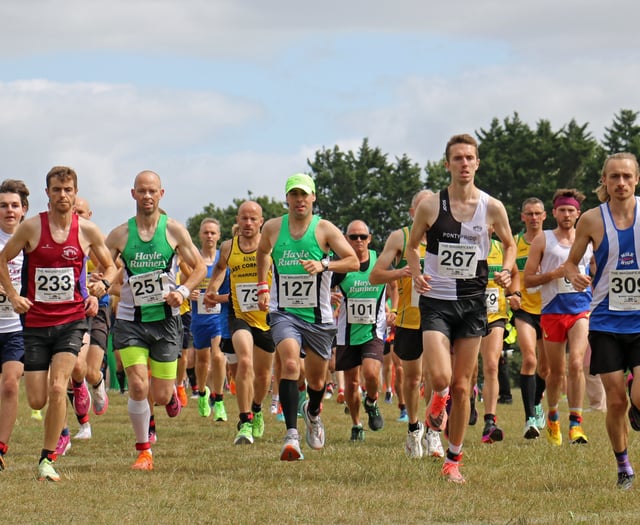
{"x":82,"y":208}
{"x":147,"y":176}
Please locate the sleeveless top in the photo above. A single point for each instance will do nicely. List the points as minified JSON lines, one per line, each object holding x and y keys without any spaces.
{"x":362,"y":316}
{"x":531,"y":300}
{"x":615,"y":305}
{"x":456,"y":257}
{"x":243,"y":272}
{"x":9,"y":319}
{"x":149,"y":275}
{"x":559,"y":296}
{"x":293,"y":289}
{"x":53,"y":273}
{"x":408,"y":315}
{"x":496,"y":300}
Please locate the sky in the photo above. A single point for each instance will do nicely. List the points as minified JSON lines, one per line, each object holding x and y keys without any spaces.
{"x":226,"y":97}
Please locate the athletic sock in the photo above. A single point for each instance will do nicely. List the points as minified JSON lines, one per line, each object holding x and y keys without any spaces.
{"x":575,"y":417}
{"x":289,"y":402}
{"x":528,"y":390}
{"x":541,"y":386}
{"x":139,"y":414}
{"x":622,"y":459}
{"x":315,"y":401}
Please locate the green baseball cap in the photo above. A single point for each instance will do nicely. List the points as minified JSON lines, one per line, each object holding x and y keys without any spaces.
{"x":302,"y":182}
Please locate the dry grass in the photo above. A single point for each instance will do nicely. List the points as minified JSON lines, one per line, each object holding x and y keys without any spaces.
{"x":201,"y":477}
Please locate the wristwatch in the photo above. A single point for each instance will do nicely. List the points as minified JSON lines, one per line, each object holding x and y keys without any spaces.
{"x":106,"y":283}
{"x":325,"y":264}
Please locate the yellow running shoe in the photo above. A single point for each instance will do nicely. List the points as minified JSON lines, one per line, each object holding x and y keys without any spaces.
{"x":554,"y":436}
{"x":577,"y":435}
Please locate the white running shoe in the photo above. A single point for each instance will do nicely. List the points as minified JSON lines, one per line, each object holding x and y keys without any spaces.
{"x":432,"y":445}
{"x":84,"y":432}
{"x":413,"y":444}
{"x":315,"y":428}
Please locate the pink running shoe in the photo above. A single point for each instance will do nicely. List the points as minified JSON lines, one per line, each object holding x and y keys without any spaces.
{"x":173,"y":407}
{"x":64,"y":444}
{"x":81,"y":400}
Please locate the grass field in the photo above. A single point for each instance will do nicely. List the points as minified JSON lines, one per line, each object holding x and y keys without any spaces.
{"x":201,"y":477}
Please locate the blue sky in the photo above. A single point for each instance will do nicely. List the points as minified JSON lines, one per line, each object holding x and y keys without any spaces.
{"x":225,"y":97}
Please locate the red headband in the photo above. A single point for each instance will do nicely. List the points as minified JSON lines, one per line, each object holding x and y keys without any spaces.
{"x":566,"y":201}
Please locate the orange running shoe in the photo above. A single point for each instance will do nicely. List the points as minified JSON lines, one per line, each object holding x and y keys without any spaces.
{"x":451,"y":472}
{"x":182,"y":395}
{"x":144,"y":461}
{"x":437,"y":412}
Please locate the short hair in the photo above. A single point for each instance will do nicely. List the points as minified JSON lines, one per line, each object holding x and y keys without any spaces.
{"x":16,"y":186}
{"x":208,"y":220}
{"x":463,"y":138}
{"x":601,"y":190}
{"x":531,"y":200}
{"x":418,"y":196}
{"x":63,"y":173}
{"x":569,"y":192}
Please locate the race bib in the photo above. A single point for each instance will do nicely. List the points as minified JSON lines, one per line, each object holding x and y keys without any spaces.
{"x":149,"y":287}
{"x":361,"y":311}
{"x":458,"y":261}
{"x":54,"y":285}
{"x":247,"y":297}
{"x":298,"y":291}
{"x":203,"y":309}
{"x":564,"y":285}
{"x":492,"y":296}
{"x":6,"y":310}
{"x":624,"y":290}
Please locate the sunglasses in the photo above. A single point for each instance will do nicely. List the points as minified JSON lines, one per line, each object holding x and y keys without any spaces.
{"x":360,"y":236}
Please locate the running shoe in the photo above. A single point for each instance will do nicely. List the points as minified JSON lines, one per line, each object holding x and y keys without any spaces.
{"x":84,"y":432}
{"x":194,"y":393}
{"x":340,"y":397}
{"x":375,"y":418}
{"x":203,"y":403}
{"x":279,"y":415}
{"x":625,"y":481}
{"x":274,"y":406}
{"x":404,"y":416}
{"x":100,"y":398}
{"x":64,"y":444}
{"x":634,"y":417}
{"x":357,"y":433}
{"x":220,"y":410}
{"x":245,"y":434}
{"x":173,"y":407}
{"x":473,"y":414}
{"x":531,"y":430}
{"x":182,"y":395}
{"x":302,"y":399}
{"x":492,"y":433}
{"x":451,"y":472}
{"x":413,"y":443}
{"x":554,"y":435}
{"x":432,"y":445}
{"x":81,"y":400}
{"x":144,"y":461}
{"x":36,"y":414}
{"x":3,"y":465}
{"x":315,"y":428}
{"x":153,"y":437}
{"x":46,"y":472}
{"x":577,"y":435}
{"x":541,"y":418}
{"x":328,"y":393}
{"x":388,"y":397}
{"x":257,"y":426}
{"x":291,"y":448}
{"x":437,"y":412}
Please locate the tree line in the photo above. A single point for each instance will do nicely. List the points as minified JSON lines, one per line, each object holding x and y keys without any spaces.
{"x":517,"y":161}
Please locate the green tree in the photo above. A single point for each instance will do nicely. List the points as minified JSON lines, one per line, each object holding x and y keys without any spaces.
{"x":365,"y":185}
{"x":227,"y":216}
{"x":624,"y":133}
{"x":517,"y":162}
